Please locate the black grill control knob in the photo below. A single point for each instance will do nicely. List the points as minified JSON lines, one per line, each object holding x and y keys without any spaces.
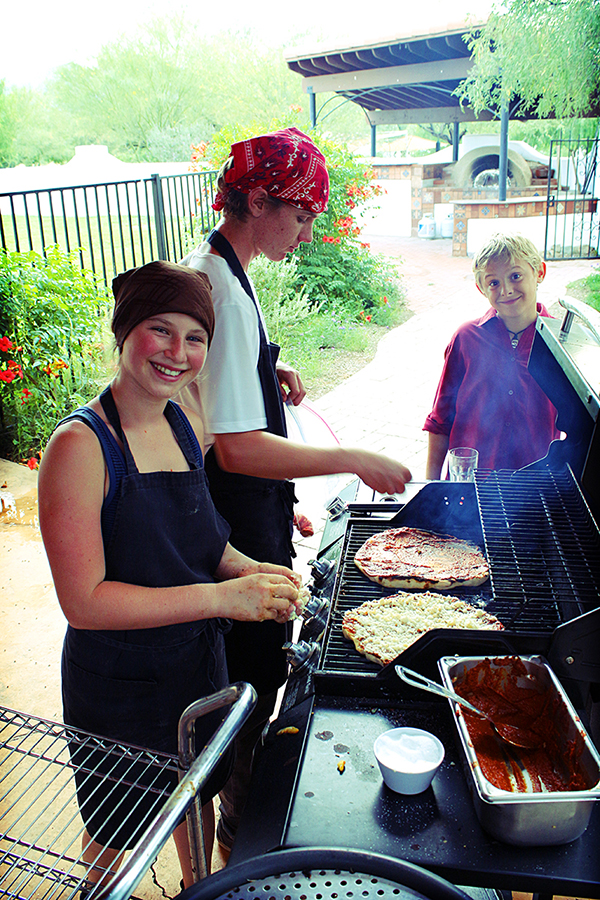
{"x":315,"y":615}
{"x":320,"y":569}
{"x":301,"y":656}
{"x":316,"y":606}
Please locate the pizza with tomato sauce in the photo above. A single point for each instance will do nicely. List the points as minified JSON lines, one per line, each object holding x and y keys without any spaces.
{"x":413,"y":559}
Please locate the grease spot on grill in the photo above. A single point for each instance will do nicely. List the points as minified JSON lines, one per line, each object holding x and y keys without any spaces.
{"x":341,"y":748}
{"x":309,"y":794}
{"x":324,"y":735}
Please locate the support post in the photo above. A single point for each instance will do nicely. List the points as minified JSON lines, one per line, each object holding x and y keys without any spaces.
{"x":162,"y":251}
{"x":503,"y":161}
{"x":373,"y":140}
{"x":312,"y":102}
{"x":455,"y":138}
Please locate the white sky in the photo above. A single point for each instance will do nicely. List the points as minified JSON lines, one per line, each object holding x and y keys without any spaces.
{"x":40,"y":36}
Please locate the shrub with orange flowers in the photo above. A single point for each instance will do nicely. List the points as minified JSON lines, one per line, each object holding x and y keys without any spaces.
{"x":51,"y":350}
{"x":337,"y":271}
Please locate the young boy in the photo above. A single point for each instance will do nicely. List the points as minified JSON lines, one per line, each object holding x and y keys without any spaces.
{"x":486,"y":398}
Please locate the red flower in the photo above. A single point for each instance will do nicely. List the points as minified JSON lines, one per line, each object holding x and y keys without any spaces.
{"x":26,"y":394}
{"x":6,"y":344}
{"x":8,"y":375}
{"x":15,"y":367}
{"x":385,"y":299}
{"x":32,"y":463}
{"x":368,"y":318}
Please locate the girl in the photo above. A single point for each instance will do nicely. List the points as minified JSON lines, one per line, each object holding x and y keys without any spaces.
{"x":140,"y":558}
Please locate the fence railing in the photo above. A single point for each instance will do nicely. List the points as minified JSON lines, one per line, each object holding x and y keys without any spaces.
{"x":573,"y":212}
{"x":114,"y":225}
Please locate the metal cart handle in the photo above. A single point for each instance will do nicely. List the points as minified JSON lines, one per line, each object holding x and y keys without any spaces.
{"x":242,"y":698}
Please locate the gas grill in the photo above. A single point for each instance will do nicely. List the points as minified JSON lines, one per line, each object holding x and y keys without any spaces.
{"x":543,"y":550}
{"x":538,"y":529}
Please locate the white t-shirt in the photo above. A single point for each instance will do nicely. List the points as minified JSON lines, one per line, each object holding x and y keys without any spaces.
{"x":227,"y":393}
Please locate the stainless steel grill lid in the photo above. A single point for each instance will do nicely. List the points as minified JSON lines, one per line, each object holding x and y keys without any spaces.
{"x":565,"y":362}
{"x":320,"y":873}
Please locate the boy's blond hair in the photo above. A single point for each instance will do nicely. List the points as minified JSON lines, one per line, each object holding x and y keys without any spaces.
{"x":507,"y":248}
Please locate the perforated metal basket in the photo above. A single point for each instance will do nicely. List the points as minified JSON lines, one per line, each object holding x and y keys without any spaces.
{"x":320,"y":873}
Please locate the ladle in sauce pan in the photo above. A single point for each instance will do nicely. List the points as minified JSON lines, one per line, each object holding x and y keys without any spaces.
{"x":509,"y":733}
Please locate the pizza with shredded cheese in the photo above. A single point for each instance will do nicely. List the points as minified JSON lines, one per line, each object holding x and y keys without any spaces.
{"x":414,"y":559}
{"x":382,"y":629}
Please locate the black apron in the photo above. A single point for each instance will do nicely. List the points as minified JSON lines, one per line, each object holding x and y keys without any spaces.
{"x":260,"y":512}
{"x":132,"y":686}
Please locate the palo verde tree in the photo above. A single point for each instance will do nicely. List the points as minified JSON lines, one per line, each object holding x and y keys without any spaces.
{"x":544,"y":52}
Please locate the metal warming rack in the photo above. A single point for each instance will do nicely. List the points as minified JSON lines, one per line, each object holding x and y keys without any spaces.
{"x":40,"y":824}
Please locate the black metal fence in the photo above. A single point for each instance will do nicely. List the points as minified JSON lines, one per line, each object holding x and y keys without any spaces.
{"x":573,"y":212}
{"x":114,"y":225}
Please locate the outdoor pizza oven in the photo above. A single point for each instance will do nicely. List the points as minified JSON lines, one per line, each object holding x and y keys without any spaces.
{"x":538,"y":529}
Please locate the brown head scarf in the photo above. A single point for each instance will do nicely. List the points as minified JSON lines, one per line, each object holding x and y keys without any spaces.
{"x":160,"y":287}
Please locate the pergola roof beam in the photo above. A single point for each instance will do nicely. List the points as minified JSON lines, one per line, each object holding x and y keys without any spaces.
{"x":389,"y":76}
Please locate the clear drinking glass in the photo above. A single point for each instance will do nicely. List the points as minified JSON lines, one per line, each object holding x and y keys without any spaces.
{"x":462,"y":462}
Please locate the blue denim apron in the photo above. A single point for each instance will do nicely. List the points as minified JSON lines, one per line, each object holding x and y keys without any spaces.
{"x":260,"y":512}
{"x":161,"y":530}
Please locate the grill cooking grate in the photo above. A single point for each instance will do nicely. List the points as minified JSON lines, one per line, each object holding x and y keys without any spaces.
{"x":541,"y":542}
{"x":543,"y":547}
{"x":40,"y":825}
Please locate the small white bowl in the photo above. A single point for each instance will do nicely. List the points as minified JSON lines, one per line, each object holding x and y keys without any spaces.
{"x":408,"y":758}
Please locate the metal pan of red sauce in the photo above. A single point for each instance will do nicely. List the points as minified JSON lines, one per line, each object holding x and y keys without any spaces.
{"x":511,"y":694}
{"x":524,"y":796}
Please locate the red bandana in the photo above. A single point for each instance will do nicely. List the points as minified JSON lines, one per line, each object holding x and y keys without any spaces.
{"x":286,"y":164}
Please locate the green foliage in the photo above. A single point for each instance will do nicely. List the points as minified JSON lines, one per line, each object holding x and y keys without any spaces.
{"x":546,"y":52}
{"x":311,"y":339}
{"x":51,"y":356}
{"x":587,"y":289}
{"x":285,"y":304}
{"x":136,"y":88}
{"x":151,"y":94}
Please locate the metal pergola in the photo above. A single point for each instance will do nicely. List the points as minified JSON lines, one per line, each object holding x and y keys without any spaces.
{"x":403,"y":80}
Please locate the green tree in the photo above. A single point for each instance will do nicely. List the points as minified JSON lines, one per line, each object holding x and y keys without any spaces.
{"x":150,"y":95}
{"x":32,"y":130}
{"x":137,"y":88}
{"x":7,"y":125}
{"x":545,"y":52}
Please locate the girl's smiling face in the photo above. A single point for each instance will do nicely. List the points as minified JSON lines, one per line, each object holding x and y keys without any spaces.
{"x":165,"y":353}
{"x":511,"y":288}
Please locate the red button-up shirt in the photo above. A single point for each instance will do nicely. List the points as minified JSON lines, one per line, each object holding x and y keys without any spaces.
{"x":487,"y":399}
